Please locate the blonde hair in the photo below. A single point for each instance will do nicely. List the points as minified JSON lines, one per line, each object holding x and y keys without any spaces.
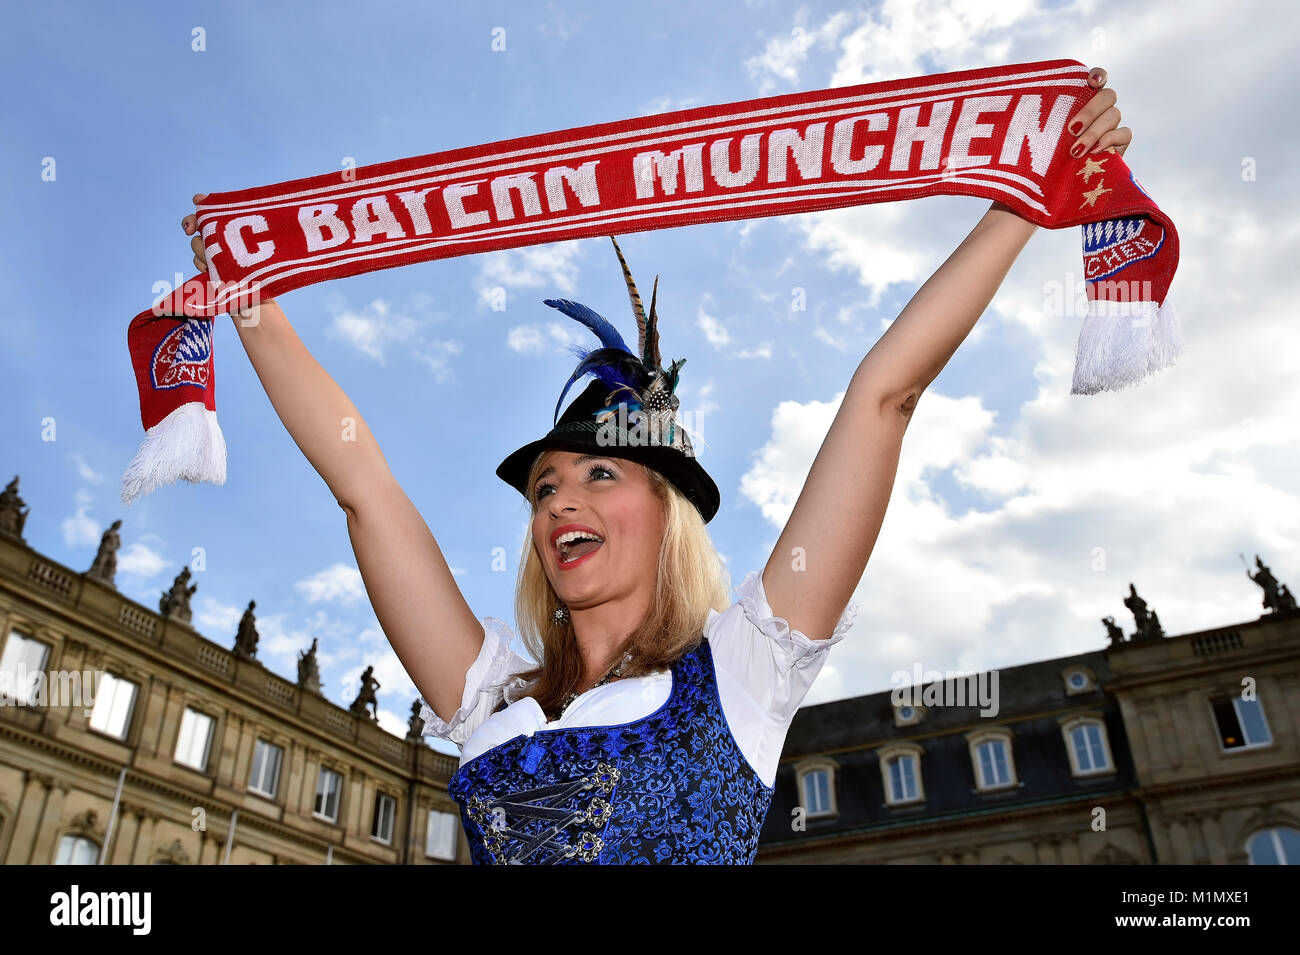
{"x":690,"y":579}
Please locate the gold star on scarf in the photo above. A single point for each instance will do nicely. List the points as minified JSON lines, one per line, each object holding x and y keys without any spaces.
{"x":1089,"y":167}
{"x":1090,"y":198}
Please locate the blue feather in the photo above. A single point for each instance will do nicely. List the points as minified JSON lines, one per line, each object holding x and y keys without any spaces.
{"x":614,"y":363}
{"x":607,"y":333}
{"x":612,"y":367}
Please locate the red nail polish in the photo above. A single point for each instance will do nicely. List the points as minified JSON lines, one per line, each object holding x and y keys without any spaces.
{"x":1076,"y":127}
{"x":1077,"y":150}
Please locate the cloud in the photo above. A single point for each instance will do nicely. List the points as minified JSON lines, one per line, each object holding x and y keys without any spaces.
{"x":902,"y":38}
{"x":85,"y":472}
{"x":779,"y":65}
{"x":719,"y":337}
{"x":378,"y":332}
{"x":1033,"y":521}
{"x":217,"y":620}
{"x":552,"y":268}
{"x":280,"y":641}
{"x":338,"y":583}
{"x":373,"y":331}
{"x":396,"y":692}
{"x":543,"y":339}
{"x":140,"y":560}
{"x":714,"y":330}
{"x":878,"y":245}
{"x":1020,"y":513}
{"x":82,"y":530}
{"x":666,"y":104}
{"x":439,"y":357}
{"x":557,"y":25}
{"x":703,"y":403}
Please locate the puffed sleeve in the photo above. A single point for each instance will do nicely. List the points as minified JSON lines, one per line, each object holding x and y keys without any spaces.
{"x":486,"y":683}
{"x":776,"y":665}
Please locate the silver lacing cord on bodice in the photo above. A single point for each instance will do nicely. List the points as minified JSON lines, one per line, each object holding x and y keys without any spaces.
{"x":547,"y":803}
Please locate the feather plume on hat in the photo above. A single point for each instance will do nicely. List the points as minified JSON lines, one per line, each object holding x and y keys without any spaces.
{"x":635,"y":378}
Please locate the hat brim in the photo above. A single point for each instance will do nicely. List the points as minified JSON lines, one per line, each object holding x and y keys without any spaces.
{"x":684,"y":471}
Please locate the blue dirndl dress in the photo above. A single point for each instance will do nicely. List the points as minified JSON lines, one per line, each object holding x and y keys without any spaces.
{"x":672,"y":787}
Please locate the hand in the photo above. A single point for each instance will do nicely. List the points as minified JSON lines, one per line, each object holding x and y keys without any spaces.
{"x":189,"y":225}
{"x":1096,"y":126}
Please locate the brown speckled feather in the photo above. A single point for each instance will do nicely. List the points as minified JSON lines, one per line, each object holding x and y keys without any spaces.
{"x":638,"y":309}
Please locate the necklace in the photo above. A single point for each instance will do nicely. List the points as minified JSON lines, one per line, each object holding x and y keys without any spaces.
{"x":611,"y":674}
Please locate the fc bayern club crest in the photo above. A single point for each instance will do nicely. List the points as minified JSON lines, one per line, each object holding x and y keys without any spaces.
{"x":1114,"y":244}
{"x":183,"y":356}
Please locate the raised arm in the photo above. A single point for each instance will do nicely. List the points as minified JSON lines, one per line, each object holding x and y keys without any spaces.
{"x":823,"y":549}
{"x":412,"y":590}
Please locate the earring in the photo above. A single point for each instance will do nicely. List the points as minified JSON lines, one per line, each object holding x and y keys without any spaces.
{"x":561,"y":614}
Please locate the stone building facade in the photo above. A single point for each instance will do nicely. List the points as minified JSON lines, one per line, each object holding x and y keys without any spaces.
{"x":1157,"y":749}
{"x":217,"y":758}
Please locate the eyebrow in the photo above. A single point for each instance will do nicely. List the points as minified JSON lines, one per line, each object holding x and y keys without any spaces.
{"x":583,"y":459}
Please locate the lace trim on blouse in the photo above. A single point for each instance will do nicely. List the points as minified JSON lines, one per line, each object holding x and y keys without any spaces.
{"x":491,"y":669}
{"x":795,"y":647}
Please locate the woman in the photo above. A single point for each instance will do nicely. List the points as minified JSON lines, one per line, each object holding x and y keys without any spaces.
{"x":651,"y":728}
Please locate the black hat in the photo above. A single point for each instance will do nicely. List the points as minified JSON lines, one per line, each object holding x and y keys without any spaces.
{"x":628,"y":412}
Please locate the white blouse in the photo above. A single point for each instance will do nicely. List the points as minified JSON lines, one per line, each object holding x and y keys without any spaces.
{"x":764,"y":671}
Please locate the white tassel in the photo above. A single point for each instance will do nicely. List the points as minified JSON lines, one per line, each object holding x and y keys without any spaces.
{"x":1121,"y":343}
{"x":185,"y":445}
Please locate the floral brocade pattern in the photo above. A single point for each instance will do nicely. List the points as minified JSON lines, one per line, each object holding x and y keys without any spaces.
{"x":670,"y":788}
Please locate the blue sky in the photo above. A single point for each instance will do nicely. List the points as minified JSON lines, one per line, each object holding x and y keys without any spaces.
{"x":1008,"y":489}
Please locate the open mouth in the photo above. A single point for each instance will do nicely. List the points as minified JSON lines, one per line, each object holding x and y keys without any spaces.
{"x":576,"y":545}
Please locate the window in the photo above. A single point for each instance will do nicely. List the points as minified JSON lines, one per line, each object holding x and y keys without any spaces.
{"x":77,"y":850}
{"x":993,"y":763}
{"x":1279,"y":846}
{"x":1241,"y":723}
{"x":114,"y":700}
{"x":900,"y":772}
{"x":902,"y":778}
{"x":1078,"y":679}
{"x":385,"y":810}
{"x":816,"y":792}
{"x":195,"y":740}
{"x":1087,"y":745}
{"x":329,"y":785}
{"x":814,"y":780}
{"x":992,"y":759}
{"x":441,"y":840}
{"x":907,"y":714}
{"x":21,"y":665}
{"x":266,"y":769}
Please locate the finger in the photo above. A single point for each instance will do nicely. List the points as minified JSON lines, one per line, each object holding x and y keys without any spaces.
{"x":1103,"y":101}
{"x":1102,"y":125}
{"x":196,"y":244}
{"x":1097,"y":77}
{"x":190,"y":222}
{"x":1118,"y":138}
{"x":200,"y":264}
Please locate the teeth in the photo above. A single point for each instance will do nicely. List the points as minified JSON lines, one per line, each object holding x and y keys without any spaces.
{"x":564,"y":540}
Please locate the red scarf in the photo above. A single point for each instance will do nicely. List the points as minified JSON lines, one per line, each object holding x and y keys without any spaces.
{"x":994,"y":133}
